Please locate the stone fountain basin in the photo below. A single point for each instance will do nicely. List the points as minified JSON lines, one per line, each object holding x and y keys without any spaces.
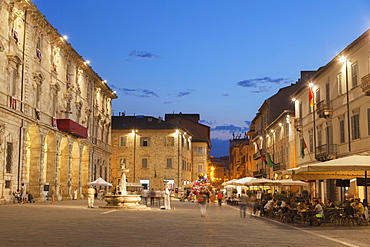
{"x":123,"y":202}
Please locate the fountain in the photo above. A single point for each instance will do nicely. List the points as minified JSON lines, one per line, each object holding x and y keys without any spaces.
{"x":124,"y":200}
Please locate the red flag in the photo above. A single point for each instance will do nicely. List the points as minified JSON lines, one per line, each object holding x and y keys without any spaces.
{"x":310,"y":96}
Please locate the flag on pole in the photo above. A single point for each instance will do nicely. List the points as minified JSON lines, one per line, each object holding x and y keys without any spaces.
{"x":304,"y":146}
{"x":270,"y":163}
{"x":311,"y":96}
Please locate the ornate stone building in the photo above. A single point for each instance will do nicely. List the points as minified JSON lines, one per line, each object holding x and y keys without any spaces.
{"x":55,"y":110}
{"x":153,"y":150}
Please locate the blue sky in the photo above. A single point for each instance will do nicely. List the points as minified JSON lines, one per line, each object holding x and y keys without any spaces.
{"x":220,"y":59}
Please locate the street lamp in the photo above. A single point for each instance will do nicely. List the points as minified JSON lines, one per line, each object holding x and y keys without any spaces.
{"x":344,"y":60}
{"x":134,"y":132}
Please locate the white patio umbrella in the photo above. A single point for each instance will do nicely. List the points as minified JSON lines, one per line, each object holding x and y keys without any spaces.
{"x":100,"y":182}
{"x":290,"y":182}
{"x":262,"y":181}
{"x":243,"y":181}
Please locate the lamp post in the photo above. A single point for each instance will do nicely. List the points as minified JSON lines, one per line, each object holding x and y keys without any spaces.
{"x":134,"y":132}
{"x":344,"y":60}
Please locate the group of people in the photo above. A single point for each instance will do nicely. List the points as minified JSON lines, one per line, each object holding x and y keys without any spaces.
{"x":22,"y":196}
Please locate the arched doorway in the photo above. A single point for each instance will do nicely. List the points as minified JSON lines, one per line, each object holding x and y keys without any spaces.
{"x":31,"y":175}
{"x":49,"y":170}
{"x":75,"y":168}
{"x":63,"y":167}
{"x":84,"y":170}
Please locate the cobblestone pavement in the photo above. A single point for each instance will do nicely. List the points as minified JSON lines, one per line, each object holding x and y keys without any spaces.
{"x":71,"y":223}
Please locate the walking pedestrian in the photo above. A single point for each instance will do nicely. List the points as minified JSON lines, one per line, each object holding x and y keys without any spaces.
{"x":90,"y":197}
{"x":152,"y":196}
{"x":219,"y":198}
{"x":52,"y":195}
{"x":23,"y":194}
{"x":243,"y":204}
{"x":145,"y":195}
{"x":202,"y":201}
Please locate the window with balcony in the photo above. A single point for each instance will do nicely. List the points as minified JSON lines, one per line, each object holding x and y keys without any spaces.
{"x":354,"y":72}
{"x":319,"y":136}
{"x":355,"y":119}
{"x":327,"y":91}
{"x":317,"y":95}
{"x":38,"y":48}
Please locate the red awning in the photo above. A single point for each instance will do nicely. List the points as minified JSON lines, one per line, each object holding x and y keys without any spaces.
{"x":72,"y":127}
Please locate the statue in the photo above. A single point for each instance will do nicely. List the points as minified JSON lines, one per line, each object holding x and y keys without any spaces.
{"x":123,"y":177}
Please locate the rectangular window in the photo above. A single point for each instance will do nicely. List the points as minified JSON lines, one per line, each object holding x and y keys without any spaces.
{"x":327,"y":92}
{"x":144,"y":163}
{"x":169,"y":163}
{"x":169,"y":141}
{"x":7,"y":184}
{"x":144,"y":141}
{"x":368,"y":121}
{"x":319,"y":137}
{"x":183,"y":165}
{"x":354,"y":69}
{"x":318,"y":99}
{"x":122,"y":141}
{"x":355,"y":126}
{"x":9,"y":154}
{"x":201,"y":151}
{"x":200,"y":168}
{"x":339,"y":83}
{"x":341,"y":131}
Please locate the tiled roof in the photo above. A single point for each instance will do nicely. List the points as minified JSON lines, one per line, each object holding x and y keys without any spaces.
{"x":140,"y":122}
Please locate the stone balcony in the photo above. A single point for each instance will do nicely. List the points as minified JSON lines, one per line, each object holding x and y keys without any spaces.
{"x":365,"y":84}
{"x":324,"y":109}
{"x":326,"y":152}
{"x":298,"y":124}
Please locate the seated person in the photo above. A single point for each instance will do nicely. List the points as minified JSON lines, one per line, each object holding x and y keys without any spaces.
{"x":319,"y":212}
{"x":348,"y":209}
{"x":359,"y":209}
{"x":330,"y":204}
{"x":269,"y":207}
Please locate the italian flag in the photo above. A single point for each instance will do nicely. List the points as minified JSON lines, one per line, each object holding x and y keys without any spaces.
{"x":304,"y":146}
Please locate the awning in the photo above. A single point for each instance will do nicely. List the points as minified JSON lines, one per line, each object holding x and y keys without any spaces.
{"x":342,"y":168}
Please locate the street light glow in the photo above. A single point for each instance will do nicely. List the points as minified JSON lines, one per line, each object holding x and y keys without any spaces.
{"x":343,"y":59}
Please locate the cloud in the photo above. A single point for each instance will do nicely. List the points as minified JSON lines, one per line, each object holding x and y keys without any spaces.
{"x":225,"y":94}
{"x":205,"y":122}
{"x":182,"y":94}
{"x":264,"y":84}
{"x":143,"y":54}
{"x":168,"y":102}
{"x":225,"y":132}
{"x":142,"y":93}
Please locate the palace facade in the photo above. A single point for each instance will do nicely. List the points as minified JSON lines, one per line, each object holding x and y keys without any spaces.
{"x":55,"y":110}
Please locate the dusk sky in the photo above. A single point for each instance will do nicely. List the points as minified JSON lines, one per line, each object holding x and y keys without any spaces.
{"x":220,"y":59}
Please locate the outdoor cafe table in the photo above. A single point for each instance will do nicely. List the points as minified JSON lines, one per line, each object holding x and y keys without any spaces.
{"x":306,"y":216}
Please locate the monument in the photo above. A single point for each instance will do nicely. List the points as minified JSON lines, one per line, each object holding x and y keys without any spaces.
{"x":124,"y":200}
